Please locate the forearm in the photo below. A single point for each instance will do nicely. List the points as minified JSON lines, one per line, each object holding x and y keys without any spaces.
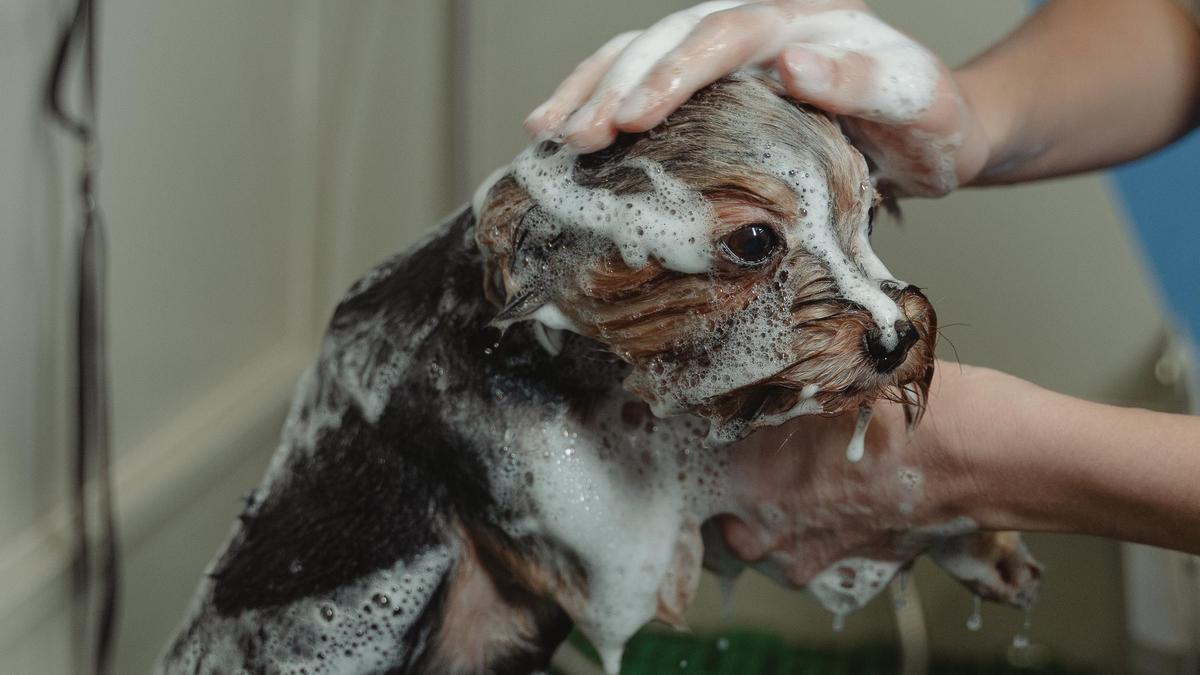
{"x":1085,"y":84}
{"x":1041,"y":461}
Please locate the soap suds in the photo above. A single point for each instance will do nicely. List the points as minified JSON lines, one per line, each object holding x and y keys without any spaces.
{"x":857,"y":446}
{"x":619,"y":507}
{"x":671,"y":222}
{"x":817,"y":234}
{"x":849,"y":584}
{"x":905,"y":74}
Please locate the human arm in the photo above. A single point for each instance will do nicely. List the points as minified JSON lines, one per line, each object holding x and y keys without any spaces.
{"x":994,"y":449}
{"x":1036,"y":460}
{"x":1084,"y":84}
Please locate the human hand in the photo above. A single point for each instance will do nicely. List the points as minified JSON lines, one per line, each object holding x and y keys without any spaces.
{"x":895,"y":99}
{"x":808,"y":512}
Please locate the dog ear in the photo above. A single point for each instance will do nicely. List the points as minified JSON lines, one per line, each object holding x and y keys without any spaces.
{"x":519,"y":241}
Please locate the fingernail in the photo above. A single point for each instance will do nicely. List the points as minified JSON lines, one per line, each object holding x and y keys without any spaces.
{"x":810,"y":70}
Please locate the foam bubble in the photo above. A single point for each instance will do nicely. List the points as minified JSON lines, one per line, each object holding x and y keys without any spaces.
{"x":857,"y":446}
{"x":619,"y":492}
{"x":817,"y":234}
{"x":905,"y":73}
{"x":849,"y":584}
{"x":671,"y":222}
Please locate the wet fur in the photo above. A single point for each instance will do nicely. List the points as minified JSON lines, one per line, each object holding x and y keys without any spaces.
{"x":384,"y":474}
{"x":644,"y":313}
{"x":369,"y":496}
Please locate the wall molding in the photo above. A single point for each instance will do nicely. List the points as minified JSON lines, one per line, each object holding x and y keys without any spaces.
{"x":153,"y":482}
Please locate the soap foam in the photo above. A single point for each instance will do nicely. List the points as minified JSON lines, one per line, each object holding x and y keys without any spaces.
{"x":618,"y":492}
{"x":858,"y":440}
{"x":817,"y":233}
{"x":349,"y":630}
{"x":849,"y":584}
{"x":905,"y":74}
{"x":640,"y":55}
{"x":671,"y":222}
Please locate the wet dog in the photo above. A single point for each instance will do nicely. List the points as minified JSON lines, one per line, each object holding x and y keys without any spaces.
{"x":473,"y":466}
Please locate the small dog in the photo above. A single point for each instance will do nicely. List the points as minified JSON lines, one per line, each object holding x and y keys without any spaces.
{"x":472,"y":466}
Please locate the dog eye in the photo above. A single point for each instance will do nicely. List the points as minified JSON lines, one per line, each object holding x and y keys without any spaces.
{"x":752,"y":245}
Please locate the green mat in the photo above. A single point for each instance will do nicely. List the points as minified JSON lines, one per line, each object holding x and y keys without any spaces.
{"x":752,"y":653}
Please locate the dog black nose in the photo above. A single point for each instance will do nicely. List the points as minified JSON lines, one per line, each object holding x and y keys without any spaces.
{"x":886,"y":360}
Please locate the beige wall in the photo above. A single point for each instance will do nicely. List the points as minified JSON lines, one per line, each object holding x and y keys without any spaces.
{"x":255,"y":158}
{"x":259,"y":156}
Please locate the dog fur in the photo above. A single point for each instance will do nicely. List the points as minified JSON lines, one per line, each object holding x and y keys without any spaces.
{"x":415,"y":518}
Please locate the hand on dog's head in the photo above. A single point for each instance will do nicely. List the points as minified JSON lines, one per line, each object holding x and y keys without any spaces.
{"x":724,"y":254}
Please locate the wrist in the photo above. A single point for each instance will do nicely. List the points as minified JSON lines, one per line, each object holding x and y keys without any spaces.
{"x":991,"y":135}
{"x":971,"y":446}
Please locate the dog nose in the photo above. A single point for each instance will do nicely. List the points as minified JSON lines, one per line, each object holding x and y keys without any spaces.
{"x":886,"y":360}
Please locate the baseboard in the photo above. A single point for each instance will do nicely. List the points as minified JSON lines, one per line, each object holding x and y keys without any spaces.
{"x":152,"y":482}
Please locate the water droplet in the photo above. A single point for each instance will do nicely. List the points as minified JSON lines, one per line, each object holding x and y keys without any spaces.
{"x":296,"y":567}
{"x":839,"y":622}
{"x":1021,"y":639}
{"x":327,"y":612}
{"x":975,"y":621}
{"x":380,"y":600}
{"x":726,"y":583}
{"x":722,"y":644}
{"x":683,"y":664}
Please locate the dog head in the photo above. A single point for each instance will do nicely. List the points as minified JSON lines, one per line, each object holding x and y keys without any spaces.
{"x":724,"y":255}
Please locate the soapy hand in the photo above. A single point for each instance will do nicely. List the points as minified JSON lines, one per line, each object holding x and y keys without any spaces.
{"x":813,"y":518}
{"x":895,"y":99}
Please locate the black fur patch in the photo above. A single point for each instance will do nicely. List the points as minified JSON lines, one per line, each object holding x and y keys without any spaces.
{"x":372,"y":495}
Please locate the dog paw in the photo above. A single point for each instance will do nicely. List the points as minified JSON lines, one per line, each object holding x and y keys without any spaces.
{"x":994,"y":565}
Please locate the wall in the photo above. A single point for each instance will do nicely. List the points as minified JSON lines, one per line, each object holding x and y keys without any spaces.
{"x":257,"y":157}
{"x":237,"y":142}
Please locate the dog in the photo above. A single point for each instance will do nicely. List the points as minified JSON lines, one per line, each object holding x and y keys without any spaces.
{"x":524,"y":422}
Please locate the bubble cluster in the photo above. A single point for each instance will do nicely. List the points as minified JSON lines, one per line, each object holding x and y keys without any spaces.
{"x":849,"y":584}
{"x":905,"y":74}
{"x":670,"y":222}
{"x":619,"y":492}
{"x":858,"y":277}
{"x":357,"y":628}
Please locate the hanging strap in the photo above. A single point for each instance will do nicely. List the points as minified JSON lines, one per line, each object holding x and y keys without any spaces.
{"x":92,"y":448}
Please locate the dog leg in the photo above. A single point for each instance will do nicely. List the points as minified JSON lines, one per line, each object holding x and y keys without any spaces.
{"x":994,"y":565}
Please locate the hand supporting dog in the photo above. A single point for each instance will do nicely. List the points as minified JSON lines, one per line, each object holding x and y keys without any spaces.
{"x":472,"y":465}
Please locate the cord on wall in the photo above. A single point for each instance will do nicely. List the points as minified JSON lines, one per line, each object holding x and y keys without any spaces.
{"x":92,"y":430}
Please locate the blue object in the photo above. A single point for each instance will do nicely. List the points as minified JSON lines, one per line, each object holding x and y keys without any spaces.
{"x":1161,"y":195}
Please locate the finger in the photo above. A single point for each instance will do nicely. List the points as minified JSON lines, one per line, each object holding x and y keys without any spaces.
{"x":833,"y":79}
{"x":892,"y":85}
{"x":591,"y":127}
{"x":547,"y":118}
{"x":721,"y":43}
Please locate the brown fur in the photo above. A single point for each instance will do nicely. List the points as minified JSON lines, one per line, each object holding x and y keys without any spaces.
{"x":644,"y":314}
